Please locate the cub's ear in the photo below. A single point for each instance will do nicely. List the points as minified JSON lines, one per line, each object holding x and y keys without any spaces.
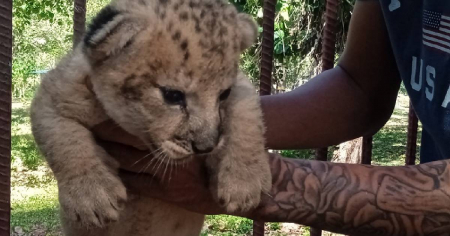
{"x":248,"y":30}
{"x":109,"y":32}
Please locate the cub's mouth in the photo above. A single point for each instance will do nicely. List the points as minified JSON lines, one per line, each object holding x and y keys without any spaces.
{"x":180,"y":149}
{"x":177,"y":149}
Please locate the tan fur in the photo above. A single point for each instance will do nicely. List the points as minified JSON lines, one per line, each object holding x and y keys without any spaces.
{"x":187,"y":45}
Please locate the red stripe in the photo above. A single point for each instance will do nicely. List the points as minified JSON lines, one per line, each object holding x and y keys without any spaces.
{"x":445,"y":27}
{"x":437,"y":31}
{"x":436,"y":43}
{"x":437,"y":37}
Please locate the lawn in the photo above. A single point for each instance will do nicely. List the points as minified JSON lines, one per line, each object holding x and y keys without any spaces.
{"x":34,"y":192}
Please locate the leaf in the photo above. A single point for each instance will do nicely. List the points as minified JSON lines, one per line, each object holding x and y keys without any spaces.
{"x":260,"y":13}
{"x":278,"y":49}
{"x":285,"y":14}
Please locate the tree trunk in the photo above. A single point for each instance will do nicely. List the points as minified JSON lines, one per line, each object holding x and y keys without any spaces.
{"x":5,"y":114}
{"x":349,"y":152}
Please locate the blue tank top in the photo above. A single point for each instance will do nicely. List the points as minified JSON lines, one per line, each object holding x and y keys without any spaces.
{"x":419,"y":31}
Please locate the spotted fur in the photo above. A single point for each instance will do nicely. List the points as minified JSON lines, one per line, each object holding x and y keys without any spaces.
{"x":140,"y":57}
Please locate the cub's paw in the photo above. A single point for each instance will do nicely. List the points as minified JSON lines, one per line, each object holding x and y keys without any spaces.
{"x":240,"y":190}
{"x":93,"y":199}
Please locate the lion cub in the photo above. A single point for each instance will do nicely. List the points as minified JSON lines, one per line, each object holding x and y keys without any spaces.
{"x":167,"y":72}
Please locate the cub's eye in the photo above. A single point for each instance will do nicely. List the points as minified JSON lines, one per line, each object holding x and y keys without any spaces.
{"x":173,"y":97}
{"x":224,"y":95}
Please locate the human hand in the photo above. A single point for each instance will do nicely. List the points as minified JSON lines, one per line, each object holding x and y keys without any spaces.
{"x":185,"y":185}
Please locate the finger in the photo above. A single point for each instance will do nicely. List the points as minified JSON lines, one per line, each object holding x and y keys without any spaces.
{"x":111,"y":131}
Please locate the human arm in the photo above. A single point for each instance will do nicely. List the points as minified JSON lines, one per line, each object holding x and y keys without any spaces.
{"x":341,"y":198}
{"x":355,"y":98}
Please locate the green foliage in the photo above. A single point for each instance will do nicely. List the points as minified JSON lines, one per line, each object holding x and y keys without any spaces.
{"x":307,"y":154}
{"x":43,"y":33}
{"x":228,"y":225}
{"x":297,"y":45}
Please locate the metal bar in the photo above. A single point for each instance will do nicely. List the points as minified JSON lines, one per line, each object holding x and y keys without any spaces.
{"x":321,"y":154}
{"x":258,"y":228}
{"x":328,"y":50}
{"x":79,"y":20}
{"x":266,"y":66}
{"x":366,"y":156}
{"x":265,"y":77}
{"x":411,"y":143}
{"x":5,"y":114}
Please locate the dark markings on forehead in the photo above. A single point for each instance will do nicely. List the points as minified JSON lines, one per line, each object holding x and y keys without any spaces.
{"x":198,"y":29}
{"x":186,"y":56}
{"x":162,"y":15}
{"x":155,"y":65}
{"x":170,"y":26}
{"x":176,"y":6}
{"x":202,"y":14}
{"x":184,"y":16}
{"x":223,"y":31}
{"x":176,"y":36}
{"x":184,"y":45}
{"x":193,"y":4}
{"x":131,"y":88}
{"x":164,"y":2}
{"x":225,"y":18}
{"x":211,"y":24}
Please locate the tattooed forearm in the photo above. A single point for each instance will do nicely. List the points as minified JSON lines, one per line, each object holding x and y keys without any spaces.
{"x":361,"y":200}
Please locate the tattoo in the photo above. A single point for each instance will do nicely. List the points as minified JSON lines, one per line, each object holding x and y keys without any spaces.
{"x":360,"y":200}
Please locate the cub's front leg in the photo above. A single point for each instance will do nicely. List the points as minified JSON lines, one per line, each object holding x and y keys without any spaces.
{"x":89,"y":189}
{"x":240,"y":170}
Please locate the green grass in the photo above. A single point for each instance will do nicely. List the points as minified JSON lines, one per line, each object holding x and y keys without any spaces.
{"x":35,"y":209}
{"x":22,"y":142}
{"x":34,"y":191}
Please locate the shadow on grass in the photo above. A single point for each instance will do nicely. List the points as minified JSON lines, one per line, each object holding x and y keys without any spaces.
{"x":25,"y":149}
{"x":20,"y":115}
{"x":22,"y":141}
{"x":37,"y":211}
{"x":46,"y":219}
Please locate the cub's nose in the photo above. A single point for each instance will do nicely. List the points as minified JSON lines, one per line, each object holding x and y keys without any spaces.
{"x":203,"y":148}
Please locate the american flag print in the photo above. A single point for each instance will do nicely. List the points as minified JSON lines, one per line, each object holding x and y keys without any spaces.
{"x":436,"y":31}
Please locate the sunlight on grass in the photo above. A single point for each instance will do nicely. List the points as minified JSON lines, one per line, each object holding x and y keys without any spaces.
{"x":35,"y":208}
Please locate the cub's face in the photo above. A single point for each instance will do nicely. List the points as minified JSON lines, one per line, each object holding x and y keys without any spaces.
{"x":167,"y":79}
